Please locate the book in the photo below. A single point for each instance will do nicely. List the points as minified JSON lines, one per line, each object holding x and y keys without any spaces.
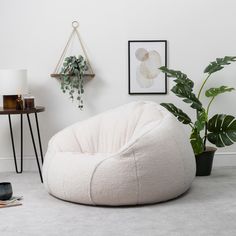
{"x":14,"y":201}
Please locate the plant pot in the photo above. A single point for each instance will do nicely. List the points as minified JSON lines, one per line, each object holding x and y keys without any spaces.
{"x":204,"y":161}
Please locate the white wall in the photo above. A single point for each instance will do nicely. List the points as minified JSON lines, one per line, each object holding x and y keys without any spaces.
{"x":33,"y":33}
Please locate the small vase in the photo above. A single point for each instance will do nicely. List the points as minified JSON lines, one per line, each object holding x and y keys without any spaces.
{"x":204,"y":161}
{"x":29,"y":102}
{"x":19,"y":103}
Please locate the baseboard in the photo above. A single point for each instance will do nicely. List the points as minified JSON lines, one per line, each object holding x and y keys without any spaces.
{"x":7,"y":163}
{"x":225,"y":159}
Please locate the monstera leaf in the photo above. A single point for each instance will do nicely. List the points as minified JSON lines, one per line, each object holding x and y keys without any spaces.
{"x":196,"y":142}
{"x":222,"y":130}
{"x":189,"y":97}
{"x":183,"y":87}
{"x":180,"y":78}
{"x":201,"y":120}
{"x":181,"y":116}
{"x":213,"y":92}
{"x":219,"y":64}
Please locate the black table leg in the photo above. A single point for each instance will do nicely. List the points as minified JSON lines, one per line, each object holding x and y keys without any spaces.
{"x":21,"y":141}
{"x":35,"y":150}
{"x":13,"y":145}
{"x":39,"y":138}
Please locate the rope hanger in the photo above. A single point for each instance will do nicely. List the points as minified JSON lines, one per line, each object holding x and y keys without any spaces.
{"x":74,"y":32}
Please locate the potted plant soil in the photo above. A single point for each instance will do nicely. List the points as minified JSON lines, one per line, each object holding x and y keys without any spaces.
{"x":219,"y":130}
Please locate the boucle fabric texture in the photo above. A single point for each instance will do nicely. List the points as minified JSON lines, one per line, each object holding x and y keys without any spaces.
{"x":135,"y":154}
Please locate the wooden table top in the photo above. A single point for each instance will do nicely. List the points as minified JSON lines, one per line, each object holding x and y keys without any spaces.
{"x":37,"y":109}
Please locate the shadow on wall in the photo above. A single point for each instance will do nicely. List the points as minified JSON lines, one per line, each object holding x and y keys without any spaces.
{"x":5,"y":145}
{"x":94,"y":90}
{"x":5,"y":138}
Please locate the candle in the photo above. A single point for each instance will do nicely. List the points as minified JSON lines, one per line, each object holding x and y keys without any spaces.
{"x":29,"y":102}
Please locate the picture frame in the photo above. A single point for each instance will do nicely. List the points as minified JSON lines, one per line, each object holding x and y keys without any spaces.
{"x":144,"y":59}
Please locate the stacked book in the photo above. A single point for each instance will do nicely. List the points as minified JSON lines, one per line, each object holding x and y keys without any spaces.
{"x":14,"y":201}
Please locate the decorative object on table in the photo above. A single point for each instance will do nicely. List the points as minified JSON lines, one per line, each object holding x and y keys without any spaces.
{"x":134,"y":154}
{"x":145,"y":58}
{"x":19,"y":103}
{"x":72,"y":70}
{"x":219,"y":130}
{"x":5,"y":191}
{"x":29,"y":102}
{"x":13,"y":83}
{"x":27,"y":112}
{"x":13,"y":201}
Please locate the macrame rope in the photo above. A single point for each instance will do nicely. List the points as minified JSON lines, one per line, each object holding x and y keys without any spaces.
{"x":64,"y":52}
{"x":75,"y":25}
{"x":85,"y":53}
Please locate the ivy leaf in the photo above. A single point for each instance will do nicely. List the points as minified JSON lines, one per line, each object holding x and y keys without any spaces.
{"x":219,"y":64}
{"x":213,"y":92}
{"x":181,"y":116}
{"x":71,"y":76}
{"x":196,"y":142}
{"x":222,"y":130}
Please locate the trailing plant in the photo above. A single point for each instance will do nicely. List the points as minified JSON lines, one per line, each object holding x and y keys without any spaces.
{"x":220,"y":130}
{"x":71,"y":76}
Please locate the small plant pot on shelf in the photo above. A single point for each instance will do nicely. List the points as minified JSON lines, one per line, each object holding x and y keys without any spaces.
{"x":204,"y":162}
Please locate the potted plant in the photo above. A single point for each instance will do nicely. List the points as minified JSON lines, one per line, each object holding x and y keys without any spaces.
{"x":72,"y":77}
{"x":219,"y":130}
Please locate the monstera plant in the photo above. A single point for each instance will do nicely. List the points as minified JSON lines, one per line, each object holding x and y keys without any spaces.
{"x":220,"y":129}
{"x":71,"y":76}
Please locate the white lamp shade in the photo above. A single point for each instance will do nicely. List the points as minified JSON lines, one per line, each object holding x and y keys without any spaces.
{"x":13,"y":82}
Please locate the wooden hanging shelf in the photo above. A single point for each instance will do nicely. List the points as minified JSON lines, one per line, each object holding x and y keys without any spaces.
{"x":88,"y":76}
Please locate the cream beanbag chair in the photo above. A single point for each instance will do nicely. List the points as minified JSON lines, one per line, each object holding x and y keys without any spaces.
{"x":135,"y":154}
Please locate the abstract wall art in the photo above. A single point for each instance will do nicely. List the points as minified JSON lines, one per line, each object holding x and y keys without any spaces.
{"x":145,"y":58}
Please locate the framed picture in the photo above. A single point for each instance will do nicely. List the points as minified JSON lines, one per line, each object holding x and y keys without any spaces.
{"x":145,"y":59}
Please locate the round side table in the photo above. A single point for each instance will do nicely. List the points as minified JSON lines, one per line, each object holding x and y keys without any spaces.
{"x":27,"y":112}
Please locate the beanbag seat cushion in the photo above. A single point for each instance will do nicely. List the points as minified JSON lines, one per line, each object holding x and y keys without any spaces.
{"x":134,"y":154}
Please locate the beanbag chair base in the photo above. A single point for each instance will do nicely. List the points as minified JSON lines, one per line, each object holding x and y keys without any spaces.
{"x":135,"y":154}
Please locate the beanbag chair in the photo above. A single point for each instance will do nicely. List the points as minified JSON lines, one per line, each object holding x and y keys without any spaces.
{"x":135,"y":154}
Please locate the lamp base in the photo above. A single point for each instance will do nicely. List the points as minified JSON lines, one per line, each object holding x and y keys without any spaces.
{"x":9,"y":101}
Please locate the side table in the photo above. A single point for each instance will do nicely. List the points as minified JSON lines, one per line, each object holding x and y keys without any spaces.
{"x":27,"y":112}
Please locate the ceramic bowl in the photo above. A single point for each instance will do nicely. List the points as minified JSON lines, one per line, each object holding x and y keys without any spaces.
{"x":5,"y":191}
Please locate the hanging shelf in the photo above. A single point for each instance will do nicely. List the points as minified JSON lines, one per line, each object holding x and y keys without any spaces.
{"x":86,"y":75}
{"x":89,"y":74}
